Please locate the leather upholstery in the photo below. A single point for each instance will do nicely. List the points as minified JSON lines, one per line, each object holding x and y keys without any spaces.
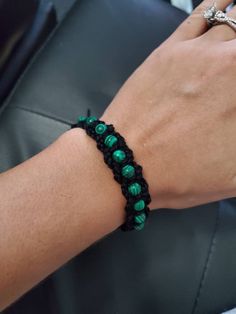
{"x":183,"y":261}
{"x":15,"y":20}
{"x":19,"y":43}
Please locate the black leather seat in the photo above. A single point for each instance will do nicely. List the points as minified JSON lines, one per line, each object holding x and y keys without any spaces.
{"x":184,"y":261}
{"x":15,"y":20}
{"x":23,"y":29}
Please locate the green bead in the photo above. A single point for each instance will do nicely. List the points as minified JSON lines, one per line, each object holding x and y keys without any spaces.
{"x":90,"y":120}
{"x":139,"y":219}
{"x":110,"y":140}
{"x":118,"y":155}
{"x":128,"y":171}
{"x":100,"y":128}
{"x":134,"y":189}
{"x":139,"y":227}
{"x":82,"y":118}
{"x":139,"y":205}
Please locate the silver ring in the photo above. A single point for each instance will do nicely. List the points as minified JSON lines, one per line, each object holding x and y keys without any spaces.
{"x":215,"y":17}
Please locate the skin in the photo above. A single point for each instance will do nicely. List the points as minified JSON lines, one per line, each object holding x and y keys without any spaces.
{"x":181,"y":102}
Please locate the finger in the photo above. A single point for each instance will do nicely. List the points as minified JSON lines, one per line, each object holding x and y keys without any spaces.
{"x":223,"y":32}
{"x":195,"y":25}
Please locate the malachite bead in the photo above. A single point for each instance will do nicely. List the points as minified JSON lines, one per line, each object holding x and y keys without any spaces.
{"x":100,"y":128}
{"x":90,"y":120}
{"x":110,"y":140}
{"x":139,"y":227}
{"x":139,"y":219}
{"x":82,"y":118}
{"x":118,"y":155}
{"x":134,"y":189}
{"x":139,"y":205}
{"x":128,"y":171}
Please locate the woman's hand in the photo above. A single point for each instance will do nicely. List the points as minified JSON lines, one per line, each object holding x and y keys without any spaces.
{"x":178,"y":114}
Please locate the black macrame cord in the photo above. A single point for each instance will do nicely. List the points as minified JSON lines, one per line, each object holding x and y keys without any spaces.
{"x":117,"y":169}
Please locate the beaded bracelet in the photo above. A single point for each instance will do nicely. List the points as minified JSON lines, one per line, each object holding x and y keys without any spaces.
{"x":126,"y":171}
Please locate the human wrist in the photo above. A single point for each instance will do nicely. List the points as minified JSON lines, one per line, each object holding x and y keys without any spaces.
{"x":101,"y":193}
{"x":154,"y":170}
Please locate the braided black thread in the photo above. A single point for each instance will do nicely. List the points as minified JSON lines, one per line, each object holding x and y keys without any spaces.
{"x":117,"y":167}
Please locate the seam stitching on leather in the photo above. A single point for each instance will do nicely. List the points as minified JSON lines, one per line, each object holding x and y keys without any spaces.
{"x":42,"y":114}
{"x":207,"y":263}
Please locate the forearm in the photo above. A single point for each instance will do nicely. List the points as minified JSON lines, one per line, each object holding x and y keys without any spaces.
{"x":52,"y":207}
